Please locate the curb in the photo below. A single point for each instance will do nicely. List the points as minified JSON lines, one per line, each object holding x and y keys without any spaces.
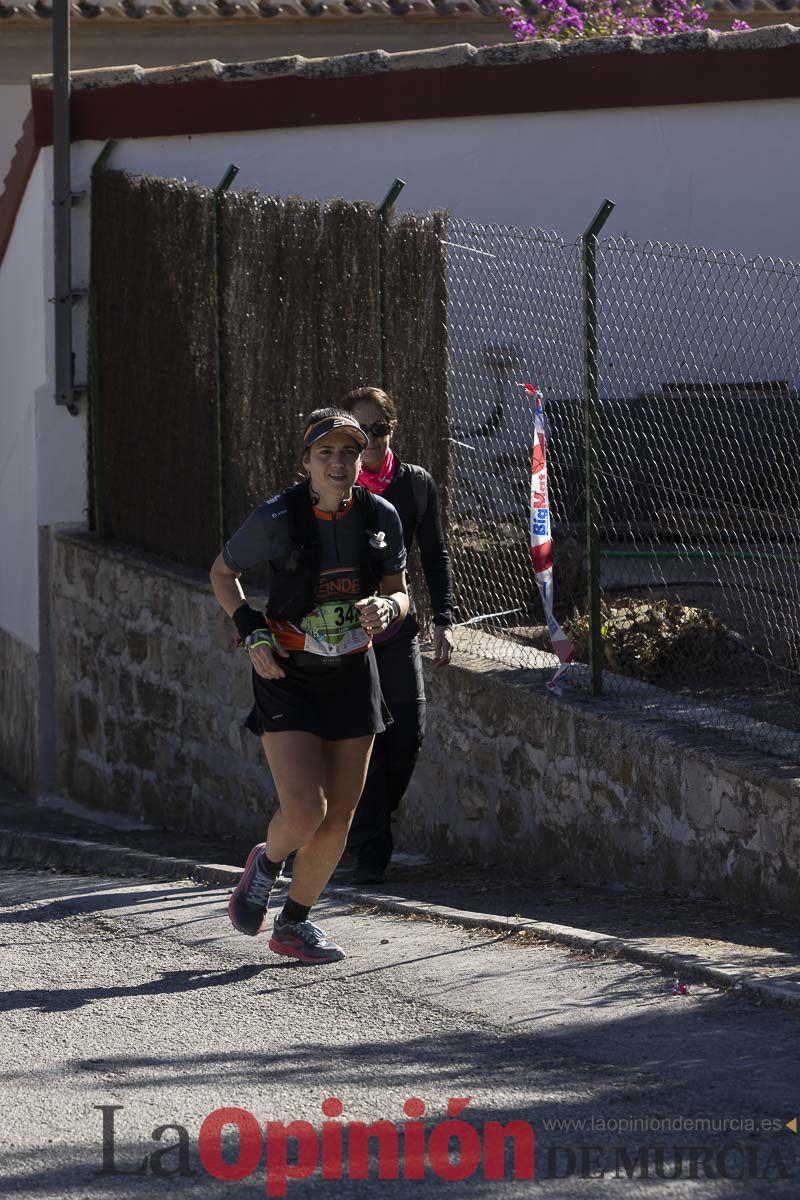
{"x":73,"y":854}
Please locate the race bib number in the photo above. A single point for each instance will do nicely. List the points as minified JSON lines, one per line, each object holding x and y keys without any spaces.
{"x":334,"y":629}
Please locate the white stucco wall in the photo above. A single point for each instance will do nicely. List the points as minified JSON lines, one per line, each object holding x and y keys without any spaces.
{"x":42,"y":447}
{"x":23,"y":372}
{"x":15,"y":102}
{"x":716,"y":175}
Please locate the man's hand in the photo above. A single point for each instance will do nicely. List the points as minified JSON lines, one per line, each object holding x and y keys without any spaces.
{"x":442,"y":645}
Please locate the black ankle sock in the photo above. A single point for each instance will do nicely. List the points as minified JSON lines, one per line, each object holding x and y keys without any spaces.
{"x":273,"y":869}
{"x":292,"y":911}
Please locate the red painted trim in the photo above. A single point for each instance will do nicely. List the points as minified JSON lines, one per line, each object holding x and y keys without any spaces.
{"x":26,"y":153}
{"x":623,"y":80}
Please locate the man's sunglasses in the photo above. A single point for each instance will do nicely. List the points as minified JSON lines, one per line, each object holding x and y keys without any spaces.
{"x":379,"y":429}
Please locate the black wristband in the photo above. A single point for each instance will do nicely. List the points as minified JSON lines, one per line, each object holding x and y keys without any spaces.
{"x":395,"y":608}
{"x":247,"y":620}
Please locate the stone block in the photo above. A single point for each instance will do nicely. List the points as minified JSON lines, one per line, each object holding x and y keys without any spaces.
{"x":106,"y":585}
{"x":124,"y":692}
{"x":112,"y":737}
{"x":179,"y":614}
{"x":137,"y":645}
{"x":138,"y":743}
{"x":169,"y":805}
{"x":86,"y":578}
{"x":88,"y":782}
{"x":516,"y":768}
{"x":123,"y":790}
{"x":155,"y":642}
{"x":175,"y":651}
{"x":129,"y":596}
{"x":473,"y":801}
{"x":89,"y":728}
{"x":509,"y":813}
{"x":733,"y":818}
{"x":161,"y":599}
{"x":170,"y":756}
{"x":200,"y":721}
{"x":158,"y":703}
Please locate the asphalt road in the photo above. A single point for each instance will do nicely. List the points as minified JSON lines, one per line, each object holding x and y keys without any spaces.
{"x":140,"y":995}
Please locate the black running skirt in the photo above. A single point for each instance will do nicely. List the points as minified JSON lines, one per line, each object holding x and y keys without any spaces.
{"x":332,"y":698}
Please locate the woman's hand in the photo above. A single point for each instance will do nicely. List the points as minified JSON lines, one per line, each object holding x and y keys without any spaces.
{"x":264,"y":654}
{"x":376,"y":613}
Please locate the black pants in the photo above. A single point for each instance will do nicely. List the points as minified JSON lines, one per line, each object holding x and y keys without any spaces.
{"x":394,"y":754}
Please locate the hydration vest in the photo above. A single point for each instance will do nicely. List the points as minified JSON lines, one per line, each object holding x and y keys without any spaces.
{"x":294,"y":579}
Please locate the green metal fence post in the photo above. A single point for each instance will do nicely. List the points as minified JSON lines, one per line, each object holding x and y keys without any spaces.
{"x":384,"y":212}
{"x":591,"y":447}
{"x":219,"y":192}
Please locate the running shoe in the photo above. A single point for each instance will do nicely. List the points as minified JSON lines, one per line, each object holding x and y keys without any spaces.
{"x":247,"y":907}
{"x":304,"y":940}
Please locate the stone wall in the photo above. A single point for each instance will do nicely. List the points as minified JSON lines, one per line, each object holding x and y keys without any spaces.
{"x":512,"y":774}
{"x":19,"y":690}
{"x":150,"y":697}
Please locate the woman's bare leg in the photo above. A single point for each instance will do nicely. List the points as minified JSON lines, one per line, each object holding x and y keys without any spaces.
{"x":318,"y":784}
{"x":297,"y":766}
{"x":346,"y":765}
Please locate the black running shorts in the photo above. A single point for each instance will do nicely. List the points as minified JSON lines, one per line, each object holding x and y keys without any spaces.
{"x":333,"y":698}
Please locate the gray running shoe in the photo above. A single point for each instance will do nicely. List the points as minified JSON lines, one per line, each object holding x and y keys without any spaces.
{"x":304,"y":940}
{"x":247,"y":907}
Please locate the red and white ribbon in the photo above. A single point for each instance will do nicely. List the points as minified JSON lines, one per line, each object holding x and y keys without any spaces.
{"x":541,"y":537}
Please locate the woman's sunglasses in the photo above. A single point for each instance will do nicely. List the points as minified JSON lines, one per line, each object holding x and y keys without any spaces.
{"x":379,"y":429}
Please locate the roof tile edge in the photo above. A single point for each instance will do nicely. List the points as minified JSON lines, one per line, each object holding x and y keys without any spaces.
{"x":373,"y":62}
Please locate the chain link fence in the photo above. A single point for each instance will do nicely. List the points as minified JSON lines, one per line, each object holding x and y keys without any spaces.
{"x":203,"y":360}
{"x":697,"y":476}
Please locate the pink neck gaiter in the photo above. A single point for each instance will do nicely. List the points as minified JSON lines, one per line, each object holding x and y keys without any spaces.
{"x":378,"y":481}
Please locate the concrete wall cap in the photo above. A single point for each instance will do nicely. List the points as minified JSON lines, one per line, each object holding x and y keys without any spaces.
{"x":183,"y":72}
{"x":517,"y":52}
{"x":429,"y":60}
{"x":700,"y":39}
{"x":370,"y":62}
{"x":105,"y":77}
{"x":773,"y":37}
{"x":609,"y":45}
{"x":270,"y":68}
{"x":96,"y":77}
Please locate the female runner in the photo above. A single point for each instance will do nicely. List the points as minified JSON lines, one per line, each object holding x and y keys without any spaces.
{"x":336,"y":578}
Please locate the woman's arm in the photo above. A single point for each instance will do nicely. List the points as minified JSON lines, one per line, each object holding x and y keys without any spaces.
{"x":435,"y":558}
{"x":231,"y":598}
{"x":227,"y":588}
{"x":438,"y":575}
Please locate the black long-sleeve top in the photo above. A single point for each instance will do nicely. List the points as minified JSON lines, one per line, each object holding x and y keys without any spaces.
{"x":414,"y":494}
